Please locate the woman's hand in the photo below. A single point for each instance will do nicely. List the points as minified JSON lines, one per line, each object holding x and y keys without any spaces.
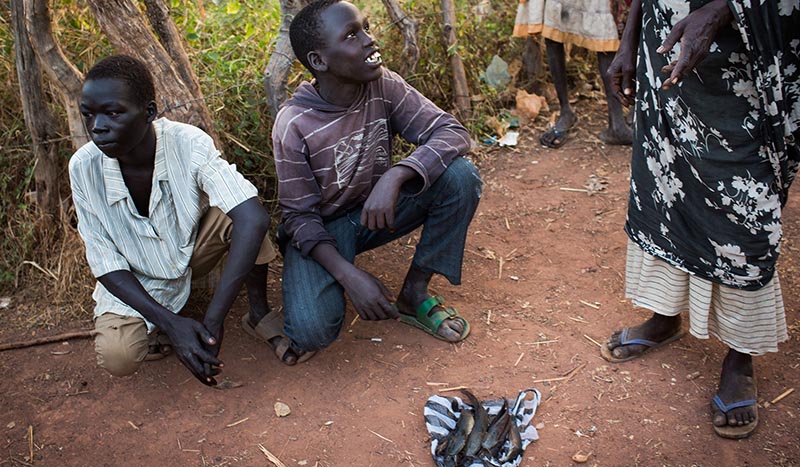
{"x":696,"y":32}
{"x":622,"y":71}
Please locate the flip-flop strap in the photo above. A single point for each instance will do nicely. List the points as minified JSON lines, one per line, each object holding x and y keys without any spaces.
{"x":623,"y":340}
{"x":734,"y":405}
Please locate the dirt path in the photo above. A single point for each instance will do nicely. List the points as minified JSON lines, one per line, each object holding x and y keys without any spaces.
{"x":543,"y":281}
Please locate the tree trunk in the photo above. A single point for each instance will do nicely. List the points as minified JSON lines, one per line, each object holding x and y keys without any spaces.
{"x":40,"y":121}
{"x":170,"y":38}
{"x":408,"y":28}
{"x":461,"y":94}
{"x":178,"y":97}
{"x":276,"y":74}
{"x":63,"y":73}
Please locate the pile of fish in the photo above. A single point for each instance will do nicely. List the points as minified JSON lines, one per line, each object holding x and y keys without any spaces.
{"x":480,"y":438}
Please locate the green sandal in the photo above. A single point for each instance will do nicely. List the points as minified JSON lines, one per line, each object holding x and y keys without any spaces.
{"x":430,"y":322}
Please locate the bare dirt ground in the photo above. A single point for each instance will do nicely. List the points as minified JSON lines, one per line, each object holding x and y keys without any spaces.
{"x":543,"y":284}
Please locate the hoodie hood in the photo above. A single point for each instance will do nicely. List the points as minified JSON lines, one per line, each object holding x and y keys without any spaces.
{"x":306,"y":96}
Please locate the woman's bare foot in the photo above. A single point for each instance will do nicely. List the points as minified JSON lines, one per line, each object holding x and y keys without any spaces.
{"x":556,"y":137}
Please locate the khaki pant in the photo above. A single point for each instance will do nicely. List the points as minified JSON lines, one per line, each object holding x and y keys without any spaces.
{"x":122,"y":342}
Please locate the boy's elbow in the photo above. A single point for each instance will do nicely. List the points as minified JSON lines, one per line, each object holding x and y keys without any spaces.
{"x":251,"y":216}
{"x":464,"y":139}
{"x":262,"y":221}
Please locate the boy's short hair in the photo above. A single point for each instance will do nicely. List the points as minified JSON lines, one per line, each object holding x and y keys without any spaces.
{"x":130,"y":70}
{"x":305,"y":30}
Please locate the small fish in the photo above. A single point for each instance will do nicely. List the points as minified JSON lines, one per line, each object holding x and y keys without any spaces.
{"x":442,"y":446}
{"x":464,"y":425}
{"x":498,"y":428}
{"x":516,"y":443}
{"x":481,"y":424}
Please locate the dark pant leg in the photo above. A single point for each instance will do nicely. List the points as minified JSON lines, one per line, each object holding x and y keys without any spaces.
{"x":445,"y":211}
{"x":313,"y":301}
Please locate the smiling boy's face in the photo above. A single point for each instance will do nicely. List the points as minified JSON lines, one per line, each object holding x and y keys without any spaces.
{"x":350,"y":53}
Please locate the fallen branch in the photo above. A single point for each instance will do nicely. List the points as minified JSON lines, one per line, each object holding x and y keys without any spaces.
{"x":779,"y":398}
{"x":381,"y":436}
{"x":454,"y":388}
{"x":593,"y":341}
{"x":271,"y":457}
{"x":567,"y":377}
{"x":84,"y":333}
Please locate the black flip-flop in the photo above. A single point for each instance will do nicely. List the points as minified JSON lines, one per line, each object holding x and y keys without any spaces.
{"x":607,"y":354}
{"x":739,"y":431}
{"x":554,"y":138}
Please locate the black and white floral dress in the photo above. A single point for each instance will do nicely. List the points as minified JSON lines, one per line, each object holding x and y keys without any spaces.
{"x":714,"y":156}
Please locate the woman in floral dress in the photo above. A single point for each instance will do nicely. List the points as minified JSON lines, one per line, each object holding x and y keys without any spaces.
{"x":716,"y":91}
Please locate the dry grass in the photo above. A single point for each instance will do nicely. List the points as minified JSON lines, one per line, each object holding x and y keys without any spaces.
{"x":55,"y":285}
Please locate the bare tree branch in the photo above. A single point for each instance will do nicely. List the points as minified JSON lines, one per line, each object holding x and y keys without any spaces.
{"x":276,"y":74}
{"x":461,"y":92}
{"x":408,"y":28}
{"x":60,"y":70}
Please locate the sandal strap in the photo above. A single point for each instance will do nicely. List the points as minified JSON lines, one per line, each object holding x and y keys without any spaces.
{"x":445,"y":312}
{"x":425,"y":307}
{"x":733,"y":405}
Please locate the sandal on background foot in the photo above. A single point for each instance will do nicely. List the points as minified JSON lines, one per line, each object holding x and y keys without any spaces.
{"x":270,"y":327}
{"x":556,"y":137}
{"x":734,"y":431}
{"x":624,"y":340}
{"x":430,"y":322}
{"x":158,"y":346}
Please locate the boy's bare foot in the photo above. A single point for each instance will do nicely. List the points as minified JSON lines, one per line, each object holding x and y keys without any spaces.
{"x":737,"y":387}
{"x":657,"y":329}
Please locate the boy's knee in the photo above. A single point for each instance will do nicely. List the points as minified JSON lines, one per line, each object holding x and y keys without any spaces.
{"x":121,"y":344}
{"x":463,"y":176}
{"x":316,"y":336}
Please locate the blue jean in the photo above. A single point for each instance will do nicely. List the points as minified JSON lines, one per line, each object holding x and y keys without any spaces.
{"x":314,"y":302}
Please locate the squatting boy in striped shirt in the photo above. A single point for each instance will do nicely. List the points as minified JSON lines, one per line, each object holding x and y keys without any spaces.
{"x":341,"y":195}
{"x":157,"y":206}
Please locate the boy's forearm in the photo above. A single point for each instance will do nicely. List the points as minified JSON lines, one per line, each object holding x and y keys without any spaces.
{"x":126,"y":287}
{"x":329,"y":258}
{"x":250,"y":226}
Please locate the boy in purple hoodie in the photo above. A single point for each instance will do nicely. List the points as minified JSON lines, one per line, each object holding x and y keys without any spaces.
{"x":340,"y":195}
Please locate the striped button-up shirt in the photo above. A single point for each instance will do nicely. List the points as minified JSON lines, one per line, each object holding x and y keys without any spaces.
{"x":189,"y":176}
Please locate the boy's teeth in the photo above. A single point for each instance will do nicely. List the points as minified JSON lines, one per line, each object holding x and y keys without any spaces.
{"x":374,"y":57}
